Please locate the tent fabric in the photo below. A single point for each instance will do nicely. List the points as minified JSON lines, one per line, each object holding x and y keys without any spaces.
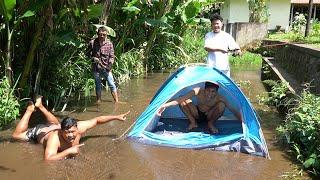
{"x":169,"y":129}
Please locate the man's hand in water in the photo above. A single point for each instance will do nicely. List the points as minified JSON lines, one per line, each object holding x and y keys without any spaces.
{"x":122,"y":117}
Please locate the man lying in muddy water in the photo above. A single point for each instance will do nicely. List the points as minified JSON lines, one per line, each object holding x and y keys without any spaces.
{"x":59,"y":140}
{"x":210,"y":106}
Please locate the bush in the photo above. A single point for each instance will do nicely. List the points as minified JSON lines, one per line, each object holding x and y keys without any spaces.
{"x":167,"y":54}
{"x":301,"y":130}
{"x":129,"y":64}
{"x":9,"y":106}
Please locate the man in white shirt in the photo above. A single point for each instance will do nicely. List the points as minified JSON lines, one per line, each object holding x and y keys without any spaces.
{"x":218,"y":43}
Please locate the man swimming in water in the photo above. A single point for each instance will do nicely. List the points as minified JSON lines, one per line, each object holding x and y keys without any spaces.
{"x":210,"y":106}
{"x":59,"y":140}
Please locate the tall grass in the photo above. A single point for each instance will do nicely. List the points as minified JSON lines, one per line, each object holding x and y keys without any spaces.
{"x":171,"y":54}
{"x":127,"y":65}
{"x":301,"y":130}
{"x":193,"y":44}
{"x":247,"y":58}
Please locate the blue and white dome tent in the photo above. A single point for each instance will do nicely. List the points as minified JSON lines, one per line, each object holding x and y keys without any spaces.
{"x":170,"y":129}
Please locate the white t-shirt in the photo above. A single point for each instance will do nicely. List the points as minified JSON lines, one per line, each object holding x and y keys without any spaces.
{"x":221,"y":40}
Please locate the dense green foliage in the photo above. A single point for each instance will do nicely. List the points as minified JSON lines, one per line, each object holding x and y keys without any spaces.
{"x":278,"y":95}
{"x":301,"y":126}
{"x":301,"y":130}
{"x":258,"y":11}
{"x":246,"y":58}
{"x":9,"y":106}
{"x":49,"y":41}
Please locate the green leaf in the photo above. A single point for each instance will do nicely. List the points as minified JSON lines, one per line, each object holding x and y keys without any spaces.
{"x":6,"y":8}
{"x":95,"y":11}
{"x":309,"y":162}
{"x":131,"y":9}
{"x":156,"y":22}
{"x":27,"y":14}
{"x":192,"y":9}
{"x":76,"y":12}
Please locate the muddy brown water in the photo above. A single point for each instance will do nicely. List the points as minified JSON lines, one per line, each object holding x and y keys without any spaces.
{"x":103,"y":158}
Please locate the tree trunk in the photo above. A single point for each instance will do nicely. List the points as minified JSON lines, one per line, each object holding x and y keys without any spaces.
{"x":36,"y":88}
{"x":309,"y":19}
{"x":84,"y":4}
{"x":30,"y":57}
{"x":8,"y":72}
{"x":106,"y":12}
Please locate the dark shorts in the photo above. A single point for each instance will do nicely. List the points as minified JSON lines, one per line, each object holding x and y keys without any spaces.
{"x":202,"y":116}
{"x":32,"y":133}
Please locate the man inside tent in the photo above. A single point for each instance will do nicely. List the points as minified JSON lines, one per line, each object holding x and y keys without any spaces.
{"x":210,"y":106}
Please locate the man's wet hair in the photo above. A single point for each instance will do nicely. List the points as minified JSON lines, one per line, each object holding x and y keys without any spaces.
{"x":102,"y":29}
{"x":211,"y":85}
{"x":215,"y":17}
{"x":67,"y":123}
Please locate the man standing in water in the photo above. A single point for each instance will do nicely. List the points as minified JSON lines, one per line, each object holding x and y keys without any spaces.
{"x":218,"y":43}
{"x":210,"y":106}
{"x":102,"y":55}
{"x":59,"y":140}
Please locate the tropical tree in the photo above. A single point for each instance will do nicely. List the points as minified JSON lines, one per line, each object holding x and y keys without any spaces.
{"x":11,"y":22}
{"x":258,"y":11}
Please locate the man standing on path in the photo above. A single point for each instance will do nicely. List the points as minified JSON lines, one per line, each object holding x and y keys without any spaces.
{"x":102,"y":55}
{"x":218,"y":43}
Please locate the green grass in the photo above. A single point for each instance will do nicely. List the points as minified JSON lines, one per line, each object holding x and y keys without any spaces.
{"x":247,"y":58}
{"x":313,"y":39}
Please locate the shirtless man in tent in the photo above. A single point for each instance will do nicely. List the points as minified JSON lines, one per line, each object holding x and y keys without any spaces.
{"x":210,"y":106}
{"x":60,"y":140}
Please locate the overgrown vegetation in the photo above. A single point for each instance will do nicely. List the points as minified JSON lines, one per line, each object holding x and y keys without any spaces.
{"x":9,"y":106}
{"x":247,"y":58}
{"x":46,"y":42}
{"x":301,"y":131}
{"x":278,"y":94}
{"x":258,"y":11}
{"x":302,"y":122}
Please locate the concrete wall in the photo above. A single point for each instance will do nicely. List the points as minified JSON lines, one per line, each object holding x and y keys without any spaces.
{"x":302,"y":62}
{"x":247,"y":33}
{"x":236,"y":11}
{"x":279,"y":14}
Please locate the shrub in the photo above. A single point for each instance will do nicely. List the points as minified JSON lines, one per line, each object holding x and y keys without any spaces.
{"x":277,"y":95}
{"x":129,"y":64}
{"x":301,"y":130}
{"x":9,"y":106}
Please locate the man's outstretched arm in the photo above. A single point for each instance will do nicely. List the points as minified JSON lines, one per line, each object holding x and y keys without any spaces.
{"x":179,"y":100}
{"x":83,"y":126}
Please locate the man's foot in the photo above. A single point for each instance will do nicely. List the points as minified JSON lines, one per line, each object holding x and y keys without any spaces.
{"x":192,"y":126}
{"x":213,"y":130}
{"x":120,"y":102}
{"x":30,"y":106}
{"x":98,"y":101}
{"x":38,"y":101}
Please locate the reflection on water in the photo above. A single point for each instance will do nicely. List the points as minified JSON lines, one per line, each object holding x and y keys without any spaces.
{"x":103,"y":158}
